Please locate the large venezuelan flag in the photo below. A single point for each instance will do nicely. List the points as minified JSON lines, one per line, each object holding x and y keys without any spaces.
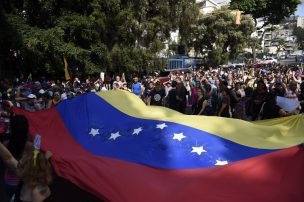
{"x":114,"y":146}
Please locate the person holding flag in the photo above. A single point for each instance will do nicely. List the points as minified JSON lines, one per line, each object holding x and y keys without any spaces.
{"x":34,"y":170}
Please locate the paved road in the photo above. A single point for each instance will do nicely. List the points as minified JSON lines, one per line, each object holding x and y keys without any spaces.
{"x":290,"y":61}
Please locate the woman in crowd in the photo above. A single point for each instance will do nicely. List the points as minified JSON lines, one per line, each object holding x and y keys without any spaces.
{"x":241,"y":108}
{"x":271,"y":110}
{"x":194,"y":93}
{"x":204,"y":104}
{"x":257,"y":99}
{"x":56,"y":99}
{"x":30,"y":168}
{"x":17,"y":144}
{"x":35,"y":172}
{"x":224,"y":109}
{"x":46,"y":101}
{"x":198,"y":105}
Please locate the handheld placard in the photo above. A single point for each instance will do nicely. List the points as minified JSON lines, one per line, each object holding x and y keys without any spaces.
{"x":37,"y":142}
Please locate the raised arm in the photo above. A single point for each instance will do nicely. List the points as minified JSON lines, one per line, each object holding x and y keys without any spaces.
{"x":7,"y":157}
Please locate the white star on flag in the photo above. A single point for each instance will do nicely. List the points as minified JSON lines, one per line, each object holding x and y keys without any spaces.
{"x":114,"y":136}
{"x":94,"y":132}
{"x":221,"y":163}
{"x":137,"y":131}
{"x":161,"y":126}
{"x":178,"y":136}
{"x":198,"y":150}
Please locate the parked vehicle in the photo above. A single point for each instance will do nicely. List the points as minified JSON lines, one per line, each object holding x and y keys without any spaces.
{"x":183,"y":62}
{"x":234,"y":65}
{"x":265,"y":62}
{"x":291,"y":56}
{"x":163,"y":77}
{"x":270,"y":61}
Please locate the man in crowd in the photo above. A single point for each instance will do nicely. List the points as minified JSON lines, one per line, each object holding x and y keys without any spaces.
{"x":181,"y":93}
{"x":117,"y":82}
{"x":157,"y":95}
{"x":173,"y":101}
{"x":137,"y":87}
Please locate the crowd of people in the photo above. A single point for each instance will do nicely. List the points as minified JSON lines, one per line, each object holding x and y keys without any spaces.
{"x":242,"y":93}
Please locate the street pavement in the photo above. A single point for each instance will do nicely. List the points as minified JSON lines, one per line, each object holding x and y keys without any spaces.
{"x":291,"y":61}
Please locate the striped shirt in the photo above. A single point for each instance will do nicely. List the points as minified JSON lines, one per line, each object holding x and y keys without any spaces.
{"x":10,"y":177}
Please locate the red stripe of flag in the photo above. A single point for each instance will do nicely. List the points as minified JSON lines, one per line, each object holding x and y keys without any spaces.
{"x":275,"y":177}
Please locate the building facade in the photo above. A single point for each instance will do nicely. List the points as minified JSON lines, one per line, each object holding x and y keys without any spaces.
{"x":207,"y":6}
{"x":300,"y":22}
{"x":277,"y":39}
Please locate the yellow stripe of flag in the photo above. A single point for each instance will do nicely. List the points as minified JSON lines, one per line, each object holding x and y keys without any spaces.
{"x":268,"y":134}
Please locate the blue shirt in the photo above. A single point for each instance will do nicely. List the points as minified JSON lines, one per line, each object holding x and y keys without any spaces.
{"x":136,"y":88}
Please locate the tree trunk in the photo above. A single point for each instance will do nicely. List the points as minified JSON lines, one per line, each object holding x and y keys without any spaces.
{"x":254,"y":53}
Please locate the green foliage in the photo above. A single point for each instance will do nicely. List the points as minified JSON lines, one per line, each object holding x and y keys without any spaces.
{"x":255,"y":44}
{"x":189,"y":14}
{"x":299,"y":33}
{"x":218,"y":36}
{"x":94,"y":35}
{"x":272,"y":11}
{"x":266,"y":51}
{"x":280,"y":44}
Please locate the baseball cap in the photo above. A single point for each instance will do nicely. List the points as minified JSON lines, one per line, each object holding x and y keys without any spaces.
{"x":31,"y":96}
{"x":41,"y":91}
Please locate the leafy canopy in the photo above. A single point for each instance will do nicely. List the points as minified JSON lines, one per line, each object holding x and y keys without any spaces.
{"x":272,"y":11}
{"x":299,"y":33}
{"x":217,"y":35}
{"x":94,"y":35}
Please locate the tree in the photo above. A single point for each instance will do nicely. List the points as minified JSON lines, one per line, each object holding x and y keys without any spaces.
{"x":94,"y":35}
{"x":272,"y":11}
{"x":280,"y":44}
{"x":218,"y":36}
{"x":266,"y":51}
{"x":298,"y":32}
{"x":189,"y":14}
{"x":254,"y":43}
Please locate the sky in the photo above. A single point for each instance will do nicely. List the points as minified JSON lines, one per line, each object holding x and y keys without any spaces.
{"x":300,"y":11}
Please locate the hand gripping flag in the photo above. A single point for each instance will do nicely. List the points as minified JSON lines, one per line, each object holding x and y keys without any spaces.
{"x":114,"y":146}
